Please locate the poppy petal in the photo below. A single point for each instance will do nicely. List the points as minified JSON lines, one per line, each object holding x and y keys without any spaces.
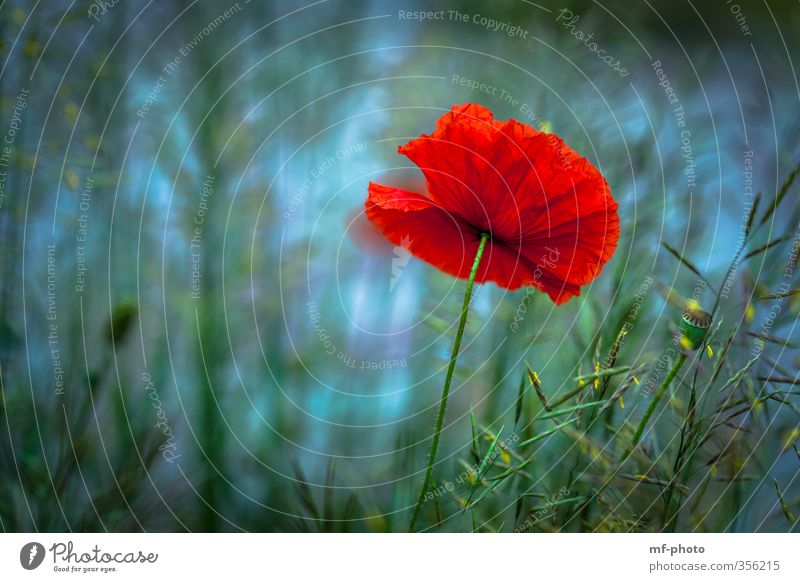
{"x":420,"y":225}
{"x":511,"y":270}
{"x":549,"y":211}
{"x":455,"y":160}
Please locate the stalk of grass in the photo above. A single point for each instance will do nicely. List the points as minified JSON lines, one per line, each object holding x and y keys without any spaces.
{"x":772,"y":296}
{"x":653,"y":404}
{"x":547,"y":433}
{"x":773,"y":339}
{"x":738,"y":375}
{"x":767,"y":246}
{"x":684,"y":458}
{"x":327,"y":498}
{"x":780,"y":194}
{"x":687,"y":449}
{"x":304,"y":492}
{"x":687,"y":263}
{"x":533,"y":378}
{"x":569,"y":395}
{"x":570,"y":409}
{"x":448,"y":379}
{"x":520,"y":401}
{"x":602,"y":373}
{"x":476,"y":447}
{"x":784,"y":506}
{"x":484,"y":467}
{"x":348,"y":512}
{"x":753,"y":212}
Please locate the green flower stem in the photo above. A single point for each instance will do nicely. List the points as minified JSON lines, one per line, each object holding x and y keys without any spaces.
{"x":650,"y":409}
{"x":449,"y":378}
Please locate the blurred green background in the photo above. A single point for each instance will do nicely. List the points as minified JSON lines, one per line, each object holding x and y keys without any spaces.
{"x":200,"y":331}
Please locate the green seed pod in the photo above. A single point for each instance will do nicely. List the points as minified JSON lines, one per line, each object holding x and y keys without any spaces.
{"x":694,"y":326}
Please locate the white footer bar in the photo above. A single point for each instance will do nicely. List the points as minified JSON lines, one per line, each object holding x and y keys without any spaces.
{"x":390,"y":557}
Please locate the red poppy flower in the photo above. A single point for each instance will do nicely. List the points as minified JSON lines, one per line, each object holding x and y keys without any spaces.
{"x":548,"y":212}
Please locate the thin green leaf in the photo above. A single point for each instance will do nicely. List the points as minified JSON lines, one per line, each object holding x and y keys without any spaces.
{"x":780,"y":195}
{"x":520,"y":398}
{"x":476,"y":448}
{"x":778,"y":380}
{"x":688,"y":264}
{"x":753,"y":212}
{"x":306,"y":497}
{"x":775,"y":340}
{"x":738,"y":375}
{"x":546,"y":433}
{"x":769,"y":245}
{"x":603,"y":373}
{"x":488,"y":460}
{"x":533,"y":378}
{"x":786,"y":511}
{"x":327,"y":500}
{"x":563,"y":411}
{"x":777,"y":295}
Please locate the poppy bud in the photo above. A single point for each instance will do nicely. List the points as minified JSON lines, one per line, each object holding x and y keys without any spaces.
{"x":694,"y":326}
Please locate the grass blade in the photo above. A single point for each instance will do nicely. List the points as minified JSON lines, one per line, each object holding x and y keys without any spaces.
{"x":570,"y":409}
{"x":546,"y":433}
{"x":533,"y":378}
{"x":520,"y":398}
{"x":786,"y":511}
{"x":738,"y":375}
{"x":780,"y":195}
{"x":769,"y":245}
{"x":688,"y":264}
